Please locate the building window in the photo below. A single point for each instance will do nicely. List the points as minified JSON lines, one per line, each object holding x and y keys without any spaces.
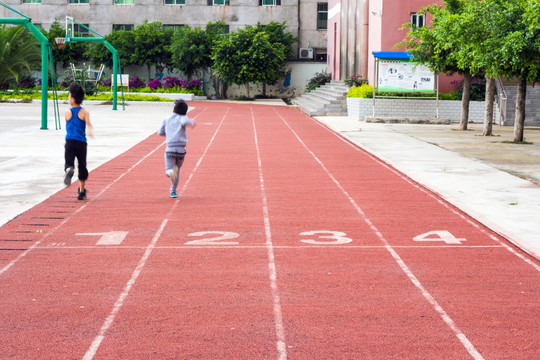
{"x":124,"y":2}
{"x":175,"y":2}
{"x":78,"y":1}
{"x":81,"y":30}
{"x":31,"y":1}
{"x":322,"y":16}
{"x":125,"y":27}
{"x":173,"y":27}
{"x":269,"y":2}
{"x":218,"y":2}
{"x":417,"y":19}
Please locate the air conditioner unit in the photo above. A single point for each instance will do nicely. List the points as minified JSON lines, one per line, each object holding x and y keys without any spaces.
{"x":306,"y":53}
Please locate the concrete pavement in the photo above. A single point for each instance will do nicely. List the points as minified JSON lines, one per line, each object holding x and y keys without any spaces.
{"x":495,"y":182}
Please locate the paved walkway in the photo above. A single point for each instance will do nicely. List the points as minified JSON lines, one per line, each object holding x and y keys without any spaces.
{"x":493,"y":181}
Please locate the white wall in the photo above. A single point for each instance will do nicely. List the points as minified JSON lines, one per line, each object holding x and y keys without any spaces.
{"x":448,"y":109}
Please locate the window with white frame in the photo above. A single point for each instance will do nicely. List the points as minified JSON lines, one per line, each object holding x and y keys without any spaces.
{"x":78,"y":1}
{"x":81,"y":30}
{"x":417,"y":19}
{"x":218,"y":2}
{"x":173,"y":27}
{"x":124,"y":2}
{"x":269,"y":2}
{"x":125,"y":27}
{"x":175,"y":2}
{"x":31,"y":1}
{"x":322,"y":16}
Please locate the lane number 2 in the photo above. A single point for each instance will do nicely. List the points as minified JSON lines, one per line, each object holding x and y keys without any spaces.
{"x":217,"y":238}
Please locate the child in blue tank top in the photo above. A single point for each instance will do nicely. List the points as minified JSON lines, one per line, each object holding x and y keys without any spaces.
{"x":77,"y":125}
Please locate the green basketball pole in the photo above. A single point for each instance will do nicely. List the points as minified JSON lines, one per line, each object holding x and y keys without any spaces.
{"x":27,"y":23}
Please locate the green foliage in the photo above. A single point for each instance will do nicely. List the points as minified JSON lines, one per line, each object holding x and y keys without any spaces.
{"x":363,"y":91}
{"x":248,"y":56}
{"x":72,"y":52}
{"x":151,"y":44}
{"x":277,"y":35}
{"x":19,"y":53}
{"x":319,"y":79}
{"x":355,"y":80}
{"x":191,"y":50}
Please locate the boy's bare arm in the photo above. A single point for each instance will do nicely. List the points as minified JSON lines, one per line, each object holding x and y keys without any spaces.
{"x":86,"y":117}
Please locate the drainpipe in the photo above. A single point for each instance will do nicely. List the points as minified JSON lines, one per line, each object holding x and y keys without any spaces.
{"x":365,"y":39}
{"x":299,"y":22}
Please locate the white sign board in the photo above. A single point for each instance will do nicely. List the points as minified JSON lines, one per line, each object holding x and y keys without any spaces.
{"x":404,"y":76}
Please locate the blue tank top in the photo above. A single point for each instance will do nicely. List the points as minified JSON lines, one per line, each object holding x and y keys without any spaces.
{"x":75,"y":127}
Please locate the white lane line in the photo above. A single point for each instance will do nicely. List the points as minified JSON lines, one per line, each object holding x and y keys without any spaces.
{"x":446,"y":318}
{"x":475,"y":224}
{"x":278,"y":317}
{"x":123,"y":295}
{"x":91,"y":352}
{"x":63,"y":222}
{"x":276,"y":247}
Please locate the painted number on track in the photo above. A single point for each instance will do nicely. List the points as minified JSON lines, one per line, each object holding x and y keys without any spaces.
{"x":108,"y":238}
{"x":326,"y":237}
{"x":439,"y":235}
{"x":217,"y":238}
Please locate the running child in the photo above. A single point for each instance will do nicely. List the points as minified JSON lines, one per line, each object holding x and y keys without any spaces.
{"x":174,"y":128}
{"x":77,"y":126}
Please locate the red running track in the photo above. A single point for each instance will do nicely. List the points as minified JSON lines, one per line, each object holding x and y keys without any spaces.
{"x":287,"y":242}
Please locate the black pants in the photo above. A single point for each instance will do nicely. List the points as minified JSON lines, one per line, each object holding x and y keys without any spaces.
{"x":76,"y":149}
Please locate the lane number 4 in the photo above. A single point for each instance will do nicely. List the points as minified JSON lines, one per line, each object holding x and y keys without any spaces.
{"x":439,"y":235}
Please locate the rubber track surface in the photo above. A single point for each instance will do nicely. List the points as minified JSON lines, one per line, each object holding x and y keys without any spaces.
{"x":286,"y":242}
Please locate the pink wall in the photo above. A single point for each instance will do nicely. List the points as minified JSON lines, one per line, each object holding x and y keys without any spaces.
{"x":384,"y":18}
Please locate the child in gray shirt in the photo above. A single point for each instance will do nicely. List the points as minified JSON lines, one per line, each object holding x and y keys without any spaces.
{"x":174,"y":128}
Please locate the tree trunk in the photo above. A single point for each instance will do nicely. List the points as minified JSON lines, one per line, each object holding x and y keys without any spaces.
{"x":490,"y":100}
{"x":148,"y":67}
{"x":519,"y":121}
{"x":247,"y":90}
{"x":465,"y":100}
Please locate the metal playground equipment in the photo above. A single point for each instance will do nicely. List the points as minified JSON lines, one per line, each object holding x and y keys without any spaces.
{"x":70,"y":37}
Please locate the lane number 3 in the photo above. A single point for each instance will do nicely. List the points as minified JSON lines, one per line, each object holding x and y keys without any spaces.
{"x":326,"y":237}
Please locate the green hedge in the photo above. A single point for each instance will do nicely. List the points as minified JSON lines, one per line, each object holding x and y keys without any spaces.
{"x":365,"y":91}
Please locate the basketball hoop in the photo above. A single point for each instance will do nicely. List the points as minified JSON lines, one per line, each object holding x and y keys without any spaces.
{"x":60,"y":42}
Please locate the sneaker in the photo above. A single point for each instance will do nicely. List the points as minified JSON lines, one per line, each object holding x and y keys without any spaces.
{"x":174,"y":175}
{"x":68,"y":175}
{"x":174,"y":194}
{"x":82,"y":195}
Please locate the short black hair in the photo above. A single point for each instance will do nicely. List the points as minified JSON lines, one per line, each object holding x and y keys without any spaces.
{"x":180,"y":107}
{"x":77,"y":93}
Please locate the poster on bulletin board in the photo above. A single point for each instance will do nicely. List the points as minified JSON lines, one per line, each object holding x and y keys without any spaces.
{"x":404,"y":75}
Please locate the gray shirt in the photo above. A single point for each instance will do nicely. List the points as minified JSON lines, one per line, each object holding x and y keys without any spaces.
{"x":174,"y":128}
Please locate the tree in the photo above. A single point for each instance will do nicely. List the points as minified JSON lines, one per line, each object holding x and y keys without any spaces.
{"x":277,"y":35}
{"x":435,"y":46}
{"x":248,"y":56}
{"x":191,"y":50}
{"x":519,"y":50}
{"x":19,"y":53}
{"x":151,"y":45}
{"x":124,"y":43}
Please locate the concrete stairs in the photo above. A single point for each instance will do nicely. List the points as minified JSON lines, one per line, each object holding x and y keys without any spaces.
{"x":327,"y":100}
